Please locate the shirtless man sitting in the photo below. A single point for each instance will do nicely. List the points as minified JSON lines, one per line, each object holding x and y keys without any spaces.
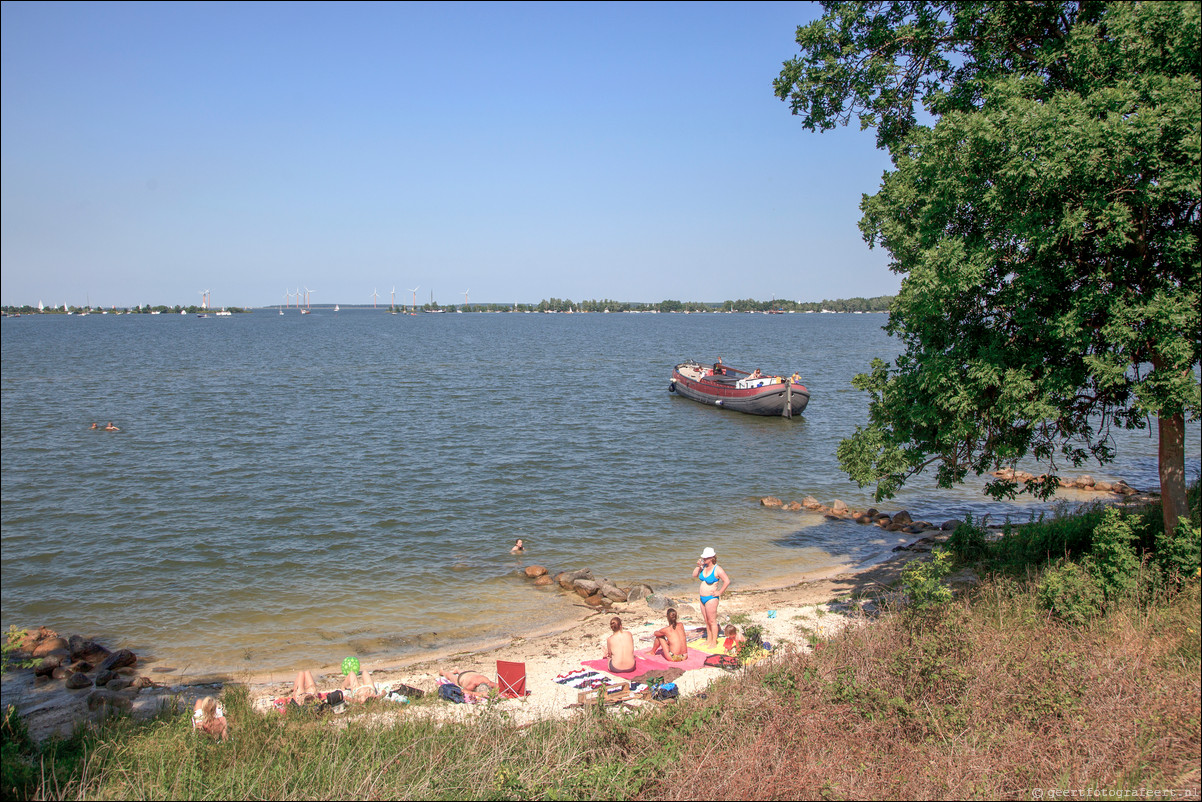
{"x":473,"y":683}
{"x":671,"y":641}
{"x":619,"y":648}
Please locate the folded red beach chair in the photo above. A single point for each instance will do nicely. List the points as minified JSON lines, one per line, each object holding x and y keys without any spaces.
{"x":511,"y":679}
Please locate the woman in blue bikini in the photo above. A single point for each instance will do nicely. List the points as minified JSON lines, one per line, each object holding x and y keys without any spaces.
{"x":714,"y":582}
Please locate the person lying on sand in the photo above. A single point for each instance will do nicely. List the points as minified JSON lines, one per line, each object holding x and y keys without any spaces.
{"x":671,"y":640}
{"x":359,"y":689}
{"x":304,"y":689}
{"x":619,"y":648}
{"x":472,"y":683}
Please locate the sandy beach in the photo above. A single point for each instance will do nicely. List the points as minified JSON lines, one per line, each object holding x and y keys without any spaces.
{"x":790,"y":613}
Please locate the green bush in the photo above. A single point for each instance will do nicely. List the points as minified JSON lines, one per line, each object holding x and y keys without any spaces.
{"x":1179,"y":556}
{"x":923,"y":581}
{"x":1043,"y":539}
{"x":1069,"y":592}
{"x":17,"y":778}
{"x":967,"y":541}
{"x":1112,"y":561}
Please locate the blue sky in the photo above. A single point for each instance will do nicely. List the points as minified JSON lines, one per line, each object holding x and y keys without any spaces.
{"x":522,"y":151}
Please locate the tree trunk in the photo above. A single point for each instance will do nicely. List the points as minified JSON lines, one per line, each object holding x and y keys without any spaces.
{"x":1172,"y":469}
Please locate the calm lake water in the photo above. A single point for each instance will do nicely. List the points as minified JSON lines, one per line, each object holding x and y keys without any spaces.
{"x":289,"y":489}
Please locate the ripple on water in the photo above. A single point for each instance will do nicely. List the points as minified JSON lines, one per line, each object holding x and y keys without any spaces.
{"x":290,"y":489}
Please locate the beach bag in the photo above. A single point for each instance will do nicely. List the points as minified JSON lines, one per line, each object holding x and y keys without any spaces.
{"x":722,"y":661}
{"x":334,"y":698}
{"x":666,"y":691}
{"x":452,"y":693}
{"x":408,"y":690}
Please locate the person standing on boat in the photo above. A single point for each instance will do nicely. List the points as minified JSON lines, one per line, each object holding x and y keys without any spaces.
{"x":719,"y":368}
{"x":714,"y":582}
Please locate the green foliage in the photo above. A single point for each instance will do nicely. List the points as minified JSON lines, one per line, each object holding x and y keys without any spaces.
{"x":1069,"y":592}
{"x":1112,"y":561}
{"x":9,"y":648}
{"x":1046,"y":226}
{"x":967,"y":541}
{"x":1179,"y":555}
{"x":17,"y":778}
{"x":1045,"y":539}
{"x":923,"y":581}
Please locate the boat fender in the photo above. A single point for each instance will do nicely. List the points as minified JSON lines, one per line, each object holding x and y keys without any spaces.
{"x":671,"y":387}
{"x":718,"y":403}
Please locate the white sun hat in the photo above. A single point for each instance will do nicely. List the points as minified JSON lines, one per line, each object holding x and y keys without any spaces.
{"x":707,"y":553}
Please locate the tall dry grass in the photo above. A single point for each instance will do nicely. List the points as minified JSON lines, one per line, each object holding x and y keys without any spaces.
{"x":989,"y":700}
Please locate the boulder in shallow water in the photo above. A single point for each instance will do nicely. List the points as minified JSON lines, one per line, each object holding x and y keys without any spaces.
{"x":119,"y":659}
{"x":535,"y":571}
{"x":583,"y":573}
{"x":902,"y":518}
{"x":771,"y":501}
{"x":838,"y":507}
{"x":585,"y":587}
{"x":51,"y":645}
{"x":637,"y":592}
{"x":104,"y":676}
{"x":47,"y":663}
{"x":79,"y":680}
{"x":543,"y":581}
{"x":595,"y":600}
{"x":612,"y":593}
{"x":118,"y":684}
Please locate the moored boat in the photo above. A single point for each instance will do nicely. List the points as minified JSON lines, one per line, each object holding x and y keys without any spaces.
{"x":751,"y":392}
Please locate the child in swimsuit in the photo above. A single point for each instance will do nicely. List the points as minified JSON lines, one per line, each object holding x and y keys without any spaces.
{"x":734,"y":641}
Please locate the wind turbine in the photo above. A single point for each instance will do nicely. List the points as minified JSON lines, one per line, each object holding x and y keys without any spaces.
{"x":465,"y":297}
{"x":414,"y":291}
{"x":392,"y":305}
{"x":374,"y":296}
{"x":304,"y":311}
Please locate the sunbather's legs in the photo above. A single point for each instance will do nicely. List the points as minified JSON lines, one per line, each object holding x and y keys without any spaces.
{"x":709,"y":611}
{"x":661,"y":646}
{"x":304,"y":685}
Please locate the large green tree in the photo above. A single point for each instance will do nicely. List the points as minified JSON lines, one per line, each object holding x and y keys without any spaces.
{"x":1043,"y":211}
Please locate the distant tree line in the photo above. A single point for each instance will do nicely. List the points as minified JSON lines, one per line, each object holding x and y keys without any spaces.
{"x":27,"y":309}
{"x":878,"y":303}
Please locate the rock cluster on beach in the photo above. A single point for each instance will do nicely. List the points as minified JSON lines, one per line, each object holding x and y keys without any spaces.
{"x":903,"y":522}
{"x":1080,"y":483}
{"x":83,"y":664}
{"x":839,"y":511}
{"x":597,"y":592}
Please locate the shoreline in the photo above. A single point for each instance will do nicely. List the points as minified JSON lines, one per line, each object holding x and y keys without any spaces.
{"x":801,"y":604}
{"x":792,"y":610}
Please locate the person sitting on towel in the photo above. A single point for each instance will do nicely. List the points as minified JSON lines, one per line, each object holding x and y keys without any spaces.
{"x":619,"y":648}
{"x":670,"y":641}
